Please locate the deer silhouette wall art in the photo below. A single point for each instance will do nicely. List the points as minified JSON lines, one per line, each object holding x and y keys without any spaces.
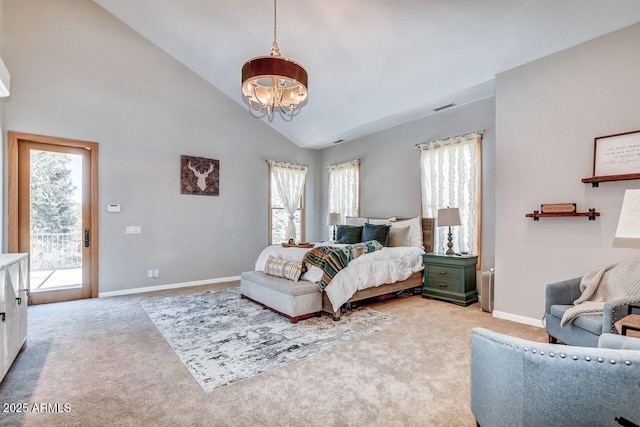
{"x":199,"y":175}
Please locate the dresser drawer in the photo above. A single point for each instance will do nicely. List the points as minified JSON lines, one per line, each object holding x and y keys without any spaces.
{"x":444,"y":285}
{"x":443,"y":272}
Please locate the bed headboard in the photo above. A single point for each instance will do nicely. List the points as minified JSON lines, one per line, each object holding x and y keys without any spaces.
{"x":428,"y":234}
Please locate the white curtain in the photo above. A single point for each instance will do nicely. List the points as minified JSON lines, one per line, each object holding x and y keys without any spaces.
{"x":450,"y":176}
{"x":289,"y":180}
{"x":344,"y":187}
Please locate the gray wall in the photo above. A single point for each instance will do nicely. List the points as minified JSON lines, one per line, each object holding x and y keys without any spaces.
{"x":80,"y":73}
{"x":548,"y":113}
{"x":390,"y":166}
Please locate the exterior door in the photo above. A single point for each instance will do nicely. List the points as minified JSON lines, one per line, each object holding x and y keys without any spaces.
{"x":53,"y":197}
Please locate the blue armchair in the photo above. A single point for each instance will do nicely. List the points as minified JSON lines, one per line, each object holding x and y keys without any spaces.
{"x":585,"y":330}
{"x":515,"y":382}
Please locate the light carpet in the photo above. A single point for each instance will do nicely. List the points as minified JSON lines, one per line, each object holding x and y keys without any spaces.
{"x":222,"y":339}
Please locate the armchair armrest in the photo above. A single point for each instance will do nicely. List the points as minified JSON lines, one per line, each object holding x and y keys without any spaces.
{"x":618,"y":342}
{"x":564,"y":292}
{"x":616,"y":310}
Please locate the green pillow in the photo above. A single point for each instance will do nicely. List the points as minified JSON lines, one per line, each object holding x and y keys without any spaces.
{"x":376,"y":232}
{"x":349,"y":234}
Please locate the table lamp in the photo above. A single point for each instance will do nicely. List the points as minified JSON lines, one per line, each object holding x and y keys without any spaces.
{"x":334,"y":219}
{"x":449,"y":217}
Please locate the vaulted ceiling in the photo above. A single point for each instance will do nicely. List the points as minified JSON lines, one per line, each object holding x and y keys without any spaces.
{"x":372,"y":64}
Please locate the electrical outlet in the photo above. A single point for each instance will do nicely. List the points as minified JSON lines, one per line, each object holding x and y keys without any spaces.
{"x":156,"y":273}
{"x":150,"y":274}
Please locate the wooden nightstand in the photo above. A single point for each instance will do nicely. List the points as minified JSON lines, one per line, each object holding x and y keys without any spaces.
{"x":450,"y":278}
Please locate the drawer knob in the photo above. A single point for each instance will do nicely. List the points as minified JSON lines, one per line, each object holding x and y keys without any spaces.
{"x":444,"y":285}
{"x":443,"y":273}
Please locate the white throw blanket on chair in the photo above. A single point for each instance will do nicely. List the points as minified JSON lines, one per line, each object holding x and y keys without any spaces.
{"x":610,"y":283}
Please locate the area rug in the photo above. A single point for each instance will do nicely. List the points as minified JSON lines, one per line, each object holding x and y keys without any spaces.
{"x":222,"y":339}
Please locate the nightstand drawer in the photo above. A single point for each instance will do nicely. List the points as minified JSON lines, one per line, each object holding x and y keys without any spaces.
{"x":437,"y":272}
{"x":444,"y":285}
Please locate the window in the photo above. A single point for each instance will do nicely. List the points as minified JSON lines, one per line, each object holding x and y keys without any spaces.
{"x":286,"y":202}
{"x":450,"y":177}
{"x":344,"y":188}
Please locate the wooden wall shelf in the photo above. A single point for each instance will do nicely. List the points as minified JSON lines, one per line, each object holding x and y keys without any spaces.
{"x":596,"y":180}
{"x":536,"y":215}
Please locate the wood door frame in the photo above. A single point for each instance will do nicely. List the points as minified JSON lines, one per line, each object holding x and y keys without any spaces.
{"x":14,"y":139}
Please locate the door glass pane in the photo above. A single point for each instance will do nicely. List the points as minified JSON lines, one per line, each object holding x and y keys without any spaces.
{"x":56,"y":220}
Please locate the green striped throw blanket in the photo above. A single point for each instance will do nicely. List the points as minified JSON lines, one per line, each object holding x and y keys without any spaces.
{"x":331,"y":259}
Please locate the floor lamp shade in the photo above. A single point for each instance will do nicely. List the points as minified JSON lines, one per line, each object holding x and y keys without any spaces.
{"x":628,"y":230}
{"x":5,"y":80}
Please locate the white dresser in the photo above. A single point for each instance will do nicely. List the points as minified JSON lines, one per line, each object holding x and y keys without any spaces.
{"x":14,"y":285}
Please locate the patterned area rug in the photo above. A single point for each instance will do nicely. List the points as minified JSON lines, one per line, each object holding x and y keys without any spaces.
{"x":222,"y":339}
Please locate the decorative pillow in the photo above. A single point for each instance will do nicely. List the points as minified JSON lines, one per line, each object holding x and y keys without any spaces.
{"x":281,"y":268}
{"x":355,"y":220}
{"x":376,"y":232}
{"x":415,"y":230}
{"x":399,"y":236}
{"x":382,"y":221}
{"x":348,"y":234}
{"x":313,"y":274}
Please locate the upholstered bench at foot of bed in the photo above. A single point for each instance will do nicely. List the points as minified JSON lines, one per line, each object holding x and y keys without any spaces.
{"x":295,"y":300}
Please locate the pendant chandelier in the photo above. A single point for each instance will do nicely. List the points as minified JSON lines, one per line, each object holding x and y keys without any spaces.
{"x":272,"y":82}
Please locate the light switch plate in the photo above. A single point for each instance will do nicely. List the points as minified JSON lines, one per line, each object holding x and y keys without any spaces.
{"x":133,"y":229}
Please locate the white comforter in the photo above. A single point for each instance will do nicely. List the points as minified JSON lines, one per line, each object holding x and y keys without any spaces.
{"x":388,"y":265}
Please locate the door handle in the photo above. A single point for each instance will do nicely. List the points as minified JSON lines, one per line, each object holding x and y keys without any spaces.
{"x":86,"y":237}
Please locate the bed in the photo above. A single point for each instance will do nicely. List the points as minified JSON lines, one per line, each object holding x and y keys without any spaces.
{"x":380,"y":273}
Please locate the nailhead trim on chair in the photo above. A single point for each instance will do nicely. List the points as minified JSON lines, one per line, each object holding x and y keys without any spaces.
{"x":551,"y":354}
{"x":613,"y":314}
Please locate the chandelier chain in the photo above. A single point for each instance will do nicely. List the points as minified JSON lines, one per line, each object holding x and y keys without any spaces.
{"x":275,"y":21}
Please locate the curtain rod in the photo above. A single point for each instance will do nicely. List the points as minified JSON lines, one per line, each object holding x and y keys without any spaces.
{"x":286,"y":164}
{"x":337,"y":165}
{"x":481,"y":132}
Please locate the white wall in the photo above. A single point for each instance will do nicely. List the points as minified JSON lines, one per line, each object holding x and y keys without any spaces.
{"x":390,"y":166}
{"x":548,"y":113}
{"x":2,"y":128}
{"x":80,"y":73}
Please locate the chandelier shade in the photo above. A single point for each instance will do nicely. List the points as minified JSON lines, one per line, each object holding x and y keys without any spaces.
{"x":272,"y":82}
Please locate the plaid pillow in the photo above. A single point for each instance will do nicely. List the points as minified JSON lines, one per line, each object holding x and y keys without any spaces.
{"x":280,"y":268}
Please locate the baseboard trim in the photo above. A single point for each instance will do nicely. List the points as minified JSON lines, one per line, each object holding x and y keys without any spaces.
{"x":167,"y":286}
{"x":518,"y":319}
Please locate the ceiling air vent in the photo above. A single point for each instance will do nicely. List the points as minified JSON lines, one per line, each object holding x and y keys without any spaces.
{"x":338,"y":141}
{"x":444,"y":107}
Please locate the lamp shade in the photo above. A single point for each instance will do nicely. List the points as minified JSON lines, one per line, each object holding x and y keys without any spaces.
{"x":5,"y":80}
{"x":448,"y":217}
{"x":334,"y":218}
{"x":628,"y":230}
